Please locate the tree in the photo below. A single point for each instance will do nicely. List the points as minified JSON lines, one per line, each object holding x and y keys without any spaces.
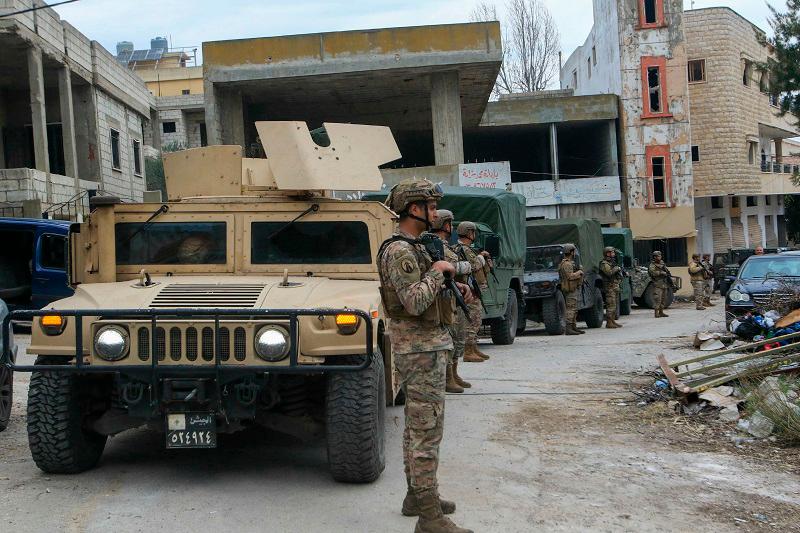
{"x":784,"y":67}
{"x":531,"y":44}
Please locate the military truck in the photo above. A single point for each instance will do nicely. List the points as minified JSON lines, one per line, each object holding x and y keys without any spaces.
{"x":544,"y":301}
{"x":622,"y":241}
{"x":500,"y":217}
{"x":248,"y":300}
{"x":642,"y":286}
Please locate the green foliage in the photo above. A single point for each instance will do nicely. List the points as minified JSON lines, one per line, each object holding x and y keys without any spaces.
{"x":791,"y":205}
{"x":154,"y":170}
{"x":784,"y":68}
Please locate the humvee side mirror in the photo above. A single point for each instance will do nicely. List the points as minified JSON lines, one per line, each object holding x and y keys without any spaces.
{"x":492,"y":245}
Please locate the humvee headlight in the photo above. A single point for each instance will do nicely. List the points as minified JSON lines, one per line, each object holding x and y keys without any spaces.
{"x":111,"y":343}
{"x":347,"y":323}
{"x":272,"y":343}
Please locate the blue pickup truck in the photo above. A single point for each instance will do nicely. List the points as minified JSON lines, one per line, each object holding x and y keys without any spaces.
{"x":33,"y":262}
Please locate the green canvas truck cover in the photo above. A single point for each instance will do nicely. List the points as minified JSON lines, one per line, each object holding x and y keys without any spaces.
{"x":619,"y":238}
{"x":583,"y":233}
{"x":501,"y":210}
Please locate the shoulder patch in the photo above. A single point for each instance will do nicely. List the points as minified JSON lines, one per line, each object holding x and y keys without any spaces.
{"x":407,"y":266}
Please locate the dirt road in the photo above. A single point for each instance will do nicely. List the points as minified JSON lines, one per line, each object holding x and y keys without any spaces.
{"x":540,"y":443}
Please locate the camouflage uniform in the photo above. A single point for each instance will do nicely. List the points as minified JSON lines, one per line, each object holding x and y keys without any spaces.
{"x":421,"y":350}
{"x":658,"y":274}
{"x":698,"y":279}
{"x":465,"y":251}
{"x":570,"y":285}
{"x":709,"y":286}
{"x":612,"y":275}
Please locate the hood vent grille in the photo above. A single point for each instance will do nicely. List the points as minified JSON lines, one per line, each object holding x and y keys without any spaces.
{"x":225,"y":296}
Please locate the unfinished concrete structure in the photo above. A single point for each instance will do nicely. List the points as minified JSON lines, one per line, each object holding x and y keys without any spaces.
{"x":72,"y":118}
{"x":637,"y":51}
{"x":741,"y":162}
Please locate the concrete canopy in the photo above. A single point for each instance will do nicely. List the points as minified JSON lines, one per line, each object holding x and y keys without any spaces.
{"x":380,"y":76}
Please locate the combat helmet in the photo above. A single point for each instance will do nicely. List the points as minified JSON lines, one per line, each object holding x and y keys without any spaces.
{"x":443,"y":216}
{"x":412,"y":190}
{"x":465,"y":227}
{"x":609,"y":249}
{"x":655,"y":254}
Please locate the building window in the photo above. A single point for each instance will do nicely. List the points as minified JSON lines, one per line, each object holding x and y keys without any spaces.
{"x":697,"y":70}
{"x":651,"y":13}
{"x":203,"y":134}
{"x":747,"y":73}
{"x":115,"y":155}
{"x":695,"y":153}
{"x":594,"y":56}
{"x":660,"y":172}
{"x":673,"y":251}
{"x":589,"y":68}
{"x":168,"y":127}
{"x":752,"y":150}
{"x":763,"y":82}
{"x":767,"y":200}
{"x":137,"y":157}
{"x":716,"y":202}
{"x":654,"y":87}
{"x":186,"y":91}
{"x":751,"y":201}
{"x":575,"y":79}
{"x":734,"y":202}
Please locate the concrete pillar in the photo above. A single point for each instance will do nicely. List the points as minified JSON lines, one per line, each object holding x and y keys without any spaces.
{"x":213,"y":129}
{"x":38,"y":113}
{"x":448,"y":141}
{"x":231,"y":110}
{"x":155,"y":129}
{"x":554,"y":152}
{"x":68,"y":125}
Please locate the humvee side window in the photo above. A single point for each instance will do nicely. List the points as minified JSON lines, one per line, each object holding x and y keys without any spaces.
{"x":318,"y":243}
{"x":542,"y":258}
{"x":171,"y":243}
{"x":53,"y":252}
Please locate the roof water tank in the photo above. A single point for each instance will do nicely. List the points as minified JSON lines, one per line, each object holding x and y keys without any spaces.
{"x":159,"y":43}
{"x":124,"y":46}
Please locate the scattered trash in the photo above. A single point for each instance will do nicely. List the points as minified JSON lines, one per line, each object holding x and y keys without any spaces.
{"x":712,"y":344}
{"x":757,"y":425}
{"x":661,"y":384}
{"x":704,"y":338}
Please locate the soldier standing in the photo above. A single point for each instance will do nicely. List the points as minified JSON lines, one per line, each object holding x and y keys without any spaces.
{"x":697,"y":275}
{"x":443,"y":227}
{"x":659,"y":274}
{"x":481,"y":262}
{"x":411,"y":289}
{"x":571,"y":278}
{"x":709,"y":275}
{"x":611,"y":273}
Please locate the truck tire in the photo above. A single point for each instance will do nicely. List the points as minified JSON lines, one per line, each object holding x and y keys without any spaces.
{"x":648,"y":297}
{"x":594,"y":315}
{"x":625,"y":307}
{"x":670,"y":298}
{"x":355,"y":408}
{"x":504,"y":329}
{"x":6,"y":395}
{"x":554,"y":311}
{"x":58,"y":438}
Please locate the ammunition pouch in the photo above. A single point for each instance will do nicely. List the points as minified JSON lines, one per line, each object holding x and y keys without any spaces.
{"x":394,"y":309}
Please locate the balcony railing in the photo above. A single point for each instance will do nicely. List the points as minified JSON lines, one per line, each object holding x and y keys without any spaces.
{"x":778,"y":167}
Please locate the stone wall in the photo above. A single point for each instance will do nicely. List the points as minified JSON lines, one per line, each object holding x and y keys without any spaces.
{"x":121,"y":181}
{"x":725,"y":113}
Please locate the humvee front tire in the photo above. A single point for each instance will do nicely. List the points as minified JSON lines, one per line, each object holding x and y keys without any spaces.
{"x":355,"y":408}
{"x":59,"y":440}
{"x":593,"y":316}
{"x":504,"y":329}
{"x":554,"y":311}
{"x":6,"y":395}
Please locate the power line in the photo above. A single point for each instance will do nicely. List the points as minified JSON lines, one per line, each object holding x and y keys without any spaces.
{"x":35,"y":8}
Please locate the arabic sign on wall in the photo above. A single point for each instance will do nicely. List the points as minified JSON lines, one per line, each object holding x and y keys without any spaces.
{"x":569,"y":191}
{"x":492,"y":175}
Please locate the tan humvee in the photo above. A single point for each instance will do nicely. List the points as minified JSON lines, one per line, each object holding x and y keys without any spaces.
{"x":248,"y":299}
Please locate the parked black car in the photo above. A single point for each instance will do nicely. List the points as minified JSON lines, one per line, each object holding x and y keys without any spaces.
{"x":764,"y":281}
{"x":726,"y":265}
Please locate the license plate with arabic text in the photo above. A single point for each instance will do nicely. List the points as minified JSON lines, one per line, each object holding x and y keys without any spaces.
{"x":191,"y":430}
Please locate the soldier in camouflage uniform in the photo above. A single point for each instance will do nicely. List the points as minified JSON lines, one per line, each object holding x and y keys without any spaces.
{"x":709,"y":275}
{"x":698,"y":279}
{"x":659,"y":274}
{"x":443,"y":227}
{"x":481,"y":263}
{"x":411,"y":289}
{"x":571,"y":279}
{"x":611,"y":273}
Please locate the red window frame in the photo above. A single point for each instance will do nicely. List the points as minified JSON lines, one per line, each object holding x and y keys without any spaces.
{"x":661,"y":64}
{"x":650,"y":152}
{"x":660,"y":19}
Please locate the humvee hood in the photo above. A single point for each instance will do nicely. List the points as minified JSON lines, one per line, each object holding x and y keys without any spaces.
{"x":228,"y":292}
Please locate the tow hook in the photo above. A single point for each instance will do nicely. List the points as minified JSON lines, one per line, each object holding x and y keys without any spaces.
{"x":133,"y":393}
{"x":246,"y":392}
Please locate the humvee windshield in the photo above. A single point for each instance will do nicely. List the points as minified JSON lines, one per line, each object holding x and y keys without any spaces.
{"x":318,"y":243}
{"x":171,"y":243}
{"x":542,"y":258}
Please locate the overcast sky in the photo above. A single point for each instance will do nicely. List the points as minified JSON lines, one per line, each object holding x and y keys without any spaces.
{"x":189,"y":23}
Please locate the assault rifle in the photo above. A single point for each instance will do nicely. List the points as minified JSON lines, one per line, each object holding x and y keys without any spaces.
{"x":435,"y":248}
{"x":670,"y":281}
{"x":471,"y":281}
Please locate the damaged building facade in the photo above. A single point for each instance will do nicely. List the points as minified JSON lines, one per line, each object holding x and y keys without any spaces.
{"x":742,"y":163}
{"x":72,"y":119}
{"x":431,"y":85}
{"x":637,"y":50}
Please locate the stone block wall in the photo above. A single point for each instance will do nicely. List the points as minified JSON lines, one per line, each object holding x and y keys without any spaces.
{"x":121,"y":181}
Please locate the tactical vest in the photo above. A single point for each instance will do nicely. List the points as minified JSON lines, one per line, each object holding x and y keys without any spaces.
{"x":440,"y":312}
{"x":568,"y":285}
{"x":480,"y":275}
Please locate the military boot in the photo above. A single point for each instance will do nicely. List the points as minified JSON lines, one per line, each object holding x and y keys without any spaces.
{"x":610,"y":323}
{"x":471,"y":356}
{"x":431,"y":517}
{"x":571,"y":330}
{"x":450,"y":383}
{"x":617,"y":323}
{"x":411,"y":507}
{"x":657,"y":313}
{"x":480,"y":353}
{"x":460,"y":381}
{"x":662,"y":314}
{"x":700,"y":308}
{"x":708,"y":303}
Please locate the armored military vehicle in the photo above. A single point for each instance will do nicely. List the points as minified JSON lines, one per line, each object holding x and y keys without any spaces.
{"x":248,"y":300}
{"x":544,"y":301}
{"x":622,"y":241}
